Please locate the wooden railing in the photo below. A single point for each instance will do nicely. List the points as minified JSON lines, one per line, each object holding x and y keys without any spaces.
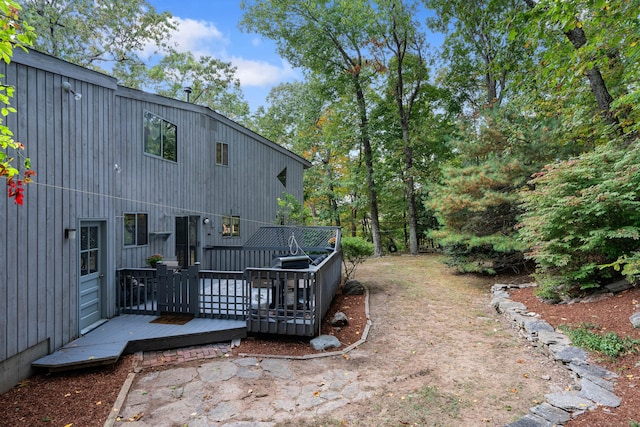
{"x":271,"y":300}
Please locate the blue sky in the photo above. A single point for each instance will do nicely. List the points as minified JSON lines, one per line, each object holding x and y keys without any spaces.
{"x":210,"y":27}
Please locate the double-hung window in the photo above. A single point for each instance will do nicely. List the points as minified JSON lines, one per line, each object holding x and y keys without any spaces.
{"x":135,"y":229}
{"x":160,"y":137}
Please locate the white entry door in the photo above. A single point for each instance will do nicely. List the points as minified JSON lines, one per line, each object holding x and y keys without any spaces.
{"x":91,"y":275}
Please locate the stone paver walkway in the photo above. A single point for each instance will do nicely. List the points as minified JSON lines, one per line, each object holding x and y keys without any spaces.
{"x":237,"y":392}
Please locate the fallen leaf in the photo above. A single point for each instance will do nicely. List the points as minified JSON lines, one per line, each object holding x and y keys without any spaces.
{"x":67,"y":395}
{"x":68,"y":425}
{"x":525,"y":375}
{"x":514,"y":390}
{"x":99,"y":402}
{"x":316,"y":393}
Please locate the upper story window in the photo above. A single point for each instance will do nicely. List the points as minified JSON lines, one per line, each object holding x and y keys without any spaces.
{"x":231,"y":226}
{"x":160,"y":137}
{"x":135,"y":229}
{"x":282,"y":177}
{"x":222,"y":153}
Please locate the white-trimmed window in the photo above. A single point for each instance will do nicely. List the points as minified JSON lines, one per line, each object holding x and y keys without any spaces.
{"x":231,"y":226}
{"x":160,"y":137}
{"x":135,"y":232}
{"x":222,"y":153}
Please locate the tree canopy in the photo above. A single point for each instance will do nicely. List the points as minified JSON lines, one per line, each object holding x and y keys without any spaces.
{"x":512,"y":146}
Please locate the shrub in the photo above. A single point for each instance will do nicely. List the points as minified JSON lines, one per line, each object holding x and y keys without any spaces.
{"x":609,"y":344}
{"x":582,"y":220}
{"x":354,"y":251}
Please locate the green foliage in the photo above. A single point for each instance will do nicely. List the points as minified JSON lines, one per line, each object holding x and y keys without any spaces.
{"x":100,"y":34}
{"x":582,"y":219}
{"x":290,"y":211}
{"x":355,"y":250}
{"x":213,"y":83}
{"x":586,"y":336}
{"x":14,"y":33}
{"x":477,"y":202}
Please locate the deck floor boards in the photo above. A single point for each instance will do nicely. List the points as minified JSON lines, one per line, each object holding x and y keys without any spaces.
{"x":109,"y":341}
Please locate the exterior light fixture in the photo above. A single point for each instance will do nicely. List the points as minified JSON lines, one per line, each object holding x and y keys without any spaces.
{"x":70,"y":233}
{"x":67,"y":86}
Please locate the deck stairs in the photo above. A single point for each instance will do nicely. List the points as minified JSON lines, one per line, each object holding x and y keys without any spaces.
{"x":130,"y":333}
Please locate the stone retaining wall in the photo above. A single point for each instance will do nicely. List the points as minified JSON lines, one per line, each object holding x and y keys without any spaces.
{"x":594,"y":384}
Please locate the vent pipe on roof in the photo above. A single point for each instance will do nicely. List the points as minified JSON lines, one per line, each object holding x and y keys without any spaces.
{"x":187,"y":90}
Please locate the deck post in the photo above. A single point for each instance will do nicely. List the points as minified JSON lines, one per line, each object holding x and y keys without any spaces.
{"x":162,"y":289}
{"x":194,"y":289}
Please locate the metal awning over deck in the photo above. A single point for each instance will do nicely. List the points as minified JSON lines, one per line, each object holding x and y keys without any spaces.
{"x":130,"y":333}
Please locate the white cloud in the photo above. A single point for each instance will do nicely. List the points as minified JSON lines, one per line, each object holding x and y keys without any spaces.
{"x":261,"y":73}
{"x":195,"y":36}
{"x":203,"y":38}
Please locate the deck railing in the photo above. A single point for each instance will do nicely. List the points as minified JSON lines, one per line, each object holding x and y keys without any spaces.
{"x":271,"y":300}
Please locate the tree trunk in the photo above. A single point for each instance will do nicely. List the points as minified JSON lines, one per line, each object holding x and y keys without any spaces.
{"x":578,"y":38}
{"x":368,"y":158}
{"x":598,"y":87}
{"x":411,"y":198}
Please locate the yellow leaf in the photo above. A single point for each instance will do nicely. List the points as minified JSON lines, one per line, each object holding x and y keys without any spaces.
{"x":69,"y":425}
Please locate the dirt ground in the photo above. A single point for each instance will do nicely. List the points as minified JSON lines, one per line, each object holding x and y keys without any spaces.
{"x":437,"y":355}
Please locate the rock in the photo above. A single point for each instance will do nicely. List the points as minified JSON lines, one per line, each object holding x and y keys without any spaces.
{"x":511,"y":306}
{"x":536,"y":326}
{"x":339,"y":319}
{"x":324,"y":342}
{"x":598,"y":394}
{"x":548,"y":338}
{"x":550,"y":413}
{"x":530,"y":420}
{"x":635,"y":319}
{"x":569,"y":401}
{"x":596,"y":374}
{"x":353,"y":287}
{"x":568,"y":353}
{"x":618,"y":286}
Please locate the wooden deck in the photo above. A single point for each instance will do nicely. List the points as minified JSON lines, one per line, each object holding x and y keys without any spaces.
{"x":130,"y":333}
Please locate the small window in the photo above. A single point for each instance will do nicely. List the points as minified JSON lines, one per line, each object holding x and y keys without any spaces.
{"x":282,"y":177}
{"x":231,"y":226}
{"x":135,"y":229}
{"x":222,"y":154}
{"x":160,"y":137}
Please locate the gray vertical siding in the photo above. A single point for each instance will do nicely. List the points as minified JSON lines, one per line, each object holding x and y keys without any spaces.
{"x":66,"y":144}
{"x":74,"y":147}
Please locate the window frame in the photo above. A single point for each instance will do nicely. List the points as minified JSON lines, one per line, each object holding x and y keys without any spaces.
{"x":148,"y":119}
{"x":232,"y":224}
{"x":222,"y":153}
{"x":140,"y":231}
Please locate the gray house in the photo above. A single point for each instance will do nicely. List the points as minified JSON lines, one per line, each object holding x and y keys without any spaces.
{"x":121,"y":175}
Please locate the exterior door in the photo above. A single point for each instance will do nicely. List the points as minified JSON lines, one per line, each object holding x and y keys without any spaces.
{"x":187,"y":243}
{"x":91,"y":275}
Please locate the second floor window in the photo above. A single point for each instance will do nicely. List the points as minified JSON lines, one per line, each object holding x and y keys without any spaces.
{"x":160,"y":137}
{"x":222,"y":154}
